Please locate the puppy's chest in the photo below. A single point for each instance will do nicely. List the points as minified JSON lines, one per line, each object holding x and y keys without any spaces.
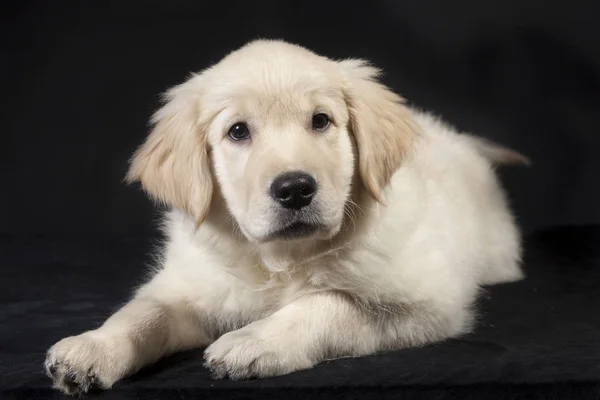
{"x":253,"y":287}
{"x":272,"y":288}
{"x":276,"y":287}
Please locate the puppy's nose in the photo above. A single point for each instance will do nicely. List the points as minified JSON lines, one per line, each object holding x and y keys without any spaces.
{"x":294,"y":189}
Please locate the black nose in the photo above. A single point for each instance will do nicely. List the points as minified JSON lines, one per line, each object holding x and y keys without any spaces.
{"x":294,"y":189}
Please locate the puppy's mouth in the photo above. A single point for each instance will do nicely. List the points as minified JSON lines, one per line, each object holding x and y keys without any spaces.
{"x":296,"y":230}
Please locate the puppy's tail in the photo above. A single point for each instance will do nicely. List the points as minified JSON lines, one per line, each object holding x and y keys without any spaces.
{"x":496,"y":153}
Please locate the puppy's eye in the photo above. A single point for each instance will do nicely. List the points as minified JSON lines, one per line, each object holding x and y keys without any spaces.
{"x":320,"y":122}
{"x":239,"y":132}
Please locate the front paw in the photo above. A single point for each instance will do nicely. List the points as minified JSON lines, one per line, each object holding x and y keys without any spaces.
{"x":78,"y":363}
{"x":245,"y":354}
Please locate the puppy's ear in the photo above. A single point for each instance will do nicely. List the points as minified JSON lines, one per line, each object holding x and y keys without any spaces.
{"x":384,"y":128}
{"x":172,"y":164}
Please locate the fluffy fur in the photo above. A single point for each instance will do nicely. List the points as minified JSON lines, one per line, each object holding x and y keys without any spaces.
{"x":409,"y":221}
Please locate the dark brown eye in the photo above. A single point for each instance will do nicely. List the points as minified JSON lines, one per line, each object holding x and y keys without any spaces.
{"x":320,"y":122}
{"x":239,"y":132}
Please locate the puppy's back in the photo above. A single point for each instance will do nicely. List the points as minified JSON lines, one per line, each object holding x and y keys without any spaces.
{"x":464,"y":163}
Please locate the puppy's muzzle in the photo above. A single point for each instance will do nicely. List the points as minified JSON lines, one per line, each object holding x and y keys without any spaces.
{"x":293,"y":190}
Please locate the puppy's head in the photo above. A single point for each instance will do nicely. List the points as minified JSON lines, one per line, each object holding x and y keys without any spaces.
{"x":282,"y":132}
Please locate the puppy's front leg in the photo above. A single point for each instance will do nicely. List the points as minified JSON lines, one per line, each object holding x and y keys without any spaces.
{"x":322,"y":326}
{"x":154,"y":323}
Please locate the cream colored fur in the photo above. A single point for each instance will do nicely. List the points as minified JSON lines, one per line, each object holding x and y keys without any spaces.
{"x":412,"y":221}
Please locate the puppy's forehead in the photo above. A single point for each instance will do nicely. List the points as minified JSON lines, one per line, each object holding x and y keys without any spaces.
{"x":264,"y":55}
{"x":270,"y":73}
{"x":285,"y":102}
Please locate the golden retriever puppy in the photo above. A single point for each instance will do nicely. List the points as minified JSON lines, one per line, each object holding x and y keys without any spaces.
{"x":313,"y":216}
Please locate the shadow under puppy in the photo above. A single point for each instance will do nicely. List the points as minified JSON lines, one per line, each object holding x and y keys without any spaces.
{"x":313,"y":215}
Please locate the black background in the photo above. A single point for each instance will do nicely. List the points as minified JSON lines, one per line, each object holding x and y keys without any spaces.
{"x":80,"y":79}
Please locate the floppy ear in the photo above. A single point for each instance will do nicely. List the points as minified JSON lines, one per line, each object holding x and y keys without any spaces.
{"x":382,"y":125}
{"x":172,"y":164}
